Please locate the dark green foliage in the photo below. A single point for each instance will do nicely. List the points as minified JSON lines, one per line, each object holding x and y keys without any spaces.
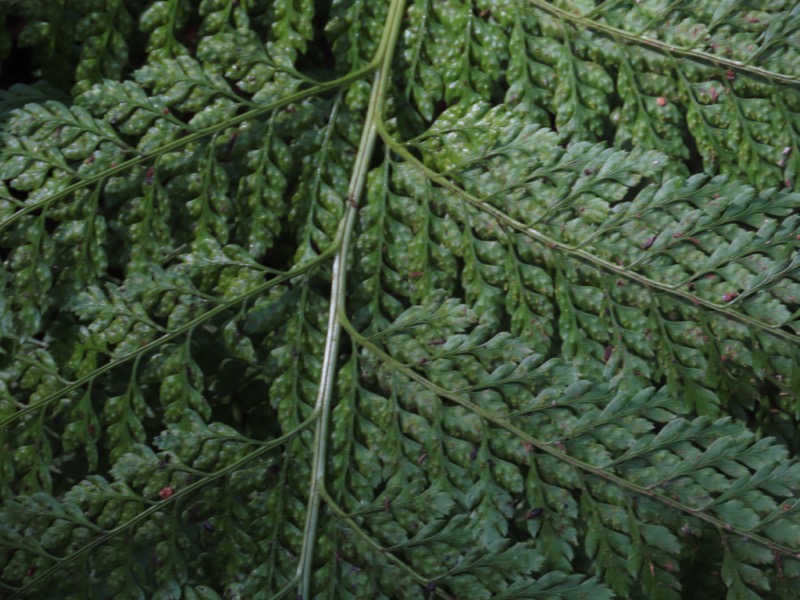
{"x":386,"y":299}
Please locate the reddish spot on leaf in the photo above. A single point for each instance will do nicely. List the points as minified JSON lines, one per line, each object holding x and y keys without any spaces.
{"x":533,"y":513}
{"x":730,"y":75}
{"x":166,"y":492}
{"x":422,"y":458}
{"x":661,"y":101}
{"x":608,"y":352}
{"x":148,"y":178}
{"x":437,"y":342}
{"x":648,"y":242}
{"x":415,"y":274}
{"x":165,"y":112}
{"x":229,"y":144}
{"x":31,"y":571}
{"x":729,"y":296}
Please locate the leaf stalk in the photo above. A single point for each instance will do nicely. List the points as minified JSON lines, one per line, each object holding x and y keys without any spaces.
{"x":327,"y":383}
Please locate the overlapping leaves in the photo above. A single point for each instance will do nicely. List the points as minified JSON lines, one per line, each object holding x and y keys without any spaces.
{"x":542,"y":341}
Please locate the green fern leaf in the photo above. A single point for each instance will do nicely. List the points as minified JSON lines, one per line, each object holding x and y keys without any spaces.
{"x":400,"y":299}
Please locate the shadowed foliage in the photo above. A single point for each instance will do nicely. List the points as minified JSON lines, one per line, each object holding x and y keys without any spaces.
{"x":400,"y":299}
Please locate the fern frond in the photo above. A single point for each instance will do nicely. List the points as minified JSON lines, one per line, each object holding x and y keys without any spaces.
{"x":400,"y":299}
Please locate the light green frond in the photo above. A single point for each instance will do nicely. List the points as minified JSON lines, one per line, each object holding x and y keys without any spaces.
{"x":399,"y":299}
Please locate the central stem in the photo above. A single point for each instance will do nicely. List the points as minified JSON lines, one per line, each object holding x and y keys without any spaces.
{"x":382,"y":63}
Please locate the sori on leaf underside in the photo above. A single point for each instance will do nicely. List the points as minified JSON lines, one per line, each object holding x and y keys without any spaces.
{"x":400,"y":299}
